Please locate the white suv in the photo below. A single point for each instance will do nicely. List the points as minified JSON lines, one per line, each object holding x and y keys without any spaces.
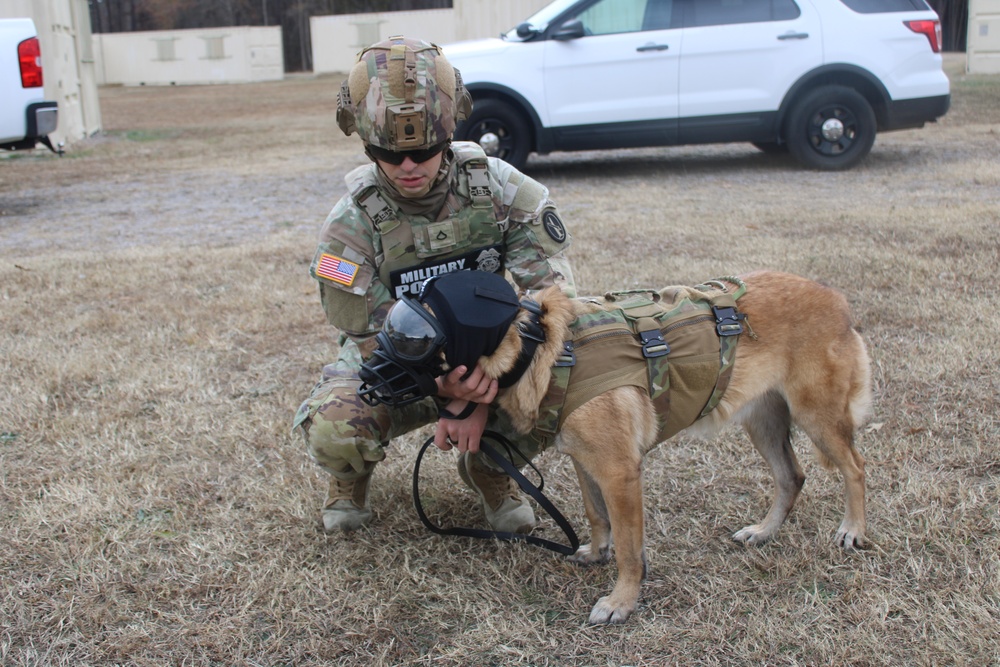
{"x":817,"y":78}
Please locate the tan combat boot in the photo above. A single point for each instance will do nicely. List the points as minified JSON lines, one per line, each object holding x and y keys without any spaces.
{"x":505,"y":508}
{"x":347,"y":505}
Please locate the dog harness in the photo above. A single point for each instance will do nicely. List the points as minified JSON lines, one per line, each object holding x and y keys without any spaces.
{"x":677,"y":344}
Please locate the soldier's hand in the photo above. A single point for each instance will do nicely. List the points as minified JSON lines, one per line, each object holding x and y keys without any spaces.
{"x":462,"y":434}
{"x":478,"y":387}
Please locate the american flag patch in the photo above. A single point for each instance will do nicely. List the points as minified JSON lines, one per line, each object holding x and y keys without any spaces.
{"x":336,"y":269}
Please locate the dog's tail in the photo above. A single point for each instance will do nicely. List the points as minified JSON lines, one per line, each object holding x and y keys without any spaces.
{"x":860,"y":397}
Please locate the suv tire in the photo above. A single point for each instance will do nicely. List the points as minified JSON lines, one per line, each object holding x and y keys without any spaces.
{"x":500,"y":129}
{"x":831,"y":128}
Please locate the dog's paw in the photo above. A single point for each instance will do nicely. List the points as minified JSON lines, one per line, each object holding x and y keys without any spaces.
{"x":850,"y":539}
{"x":606,"y":611}
{"x":586,"y":555}
{"x":752,"y":535}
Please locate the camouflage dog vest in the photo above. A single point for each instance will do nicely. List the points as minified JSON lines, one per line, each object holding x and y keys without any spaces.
{"x":677,"y":344}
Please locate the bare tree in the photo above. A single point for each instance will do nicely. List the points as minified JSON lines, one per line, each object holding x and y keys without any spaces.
{"x":293,"y":17}
{"x":954,"y":22}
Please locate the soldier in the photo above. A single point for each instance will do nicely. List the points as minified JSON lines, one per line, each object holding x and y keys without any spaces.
{"x":424,"y":206}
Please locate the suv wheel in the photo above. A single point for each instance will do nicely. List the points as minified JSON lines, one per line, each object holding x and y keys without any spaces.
{"x":499,"y":129}
{"x":831,"y":128}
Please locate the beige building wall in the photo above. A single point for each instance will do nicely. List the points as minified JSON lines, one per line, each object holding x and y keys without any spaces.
{"x":983,"y":43}
{"x":182,"y":57}
{"x":67,"y":62}
{"x":476,"y":19}
{"x":337,"y":39}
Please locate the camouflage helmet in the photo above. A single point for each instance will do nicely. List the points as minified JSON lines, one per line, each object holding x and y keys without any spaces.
{"x":402,"y":95}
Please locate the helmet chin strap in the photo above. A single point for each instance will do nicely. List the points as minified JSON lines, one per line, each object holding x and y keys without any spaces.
{"x":531,"y":334}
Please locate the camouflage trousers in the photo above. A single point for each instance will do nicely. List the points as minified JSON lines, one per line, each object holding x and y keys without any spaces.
{"x":347,"y":437}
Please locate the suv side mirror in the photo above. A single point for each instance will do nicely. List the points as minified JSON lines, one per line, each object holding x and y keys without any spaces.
{"x":526,"y":30}
{"x":572,"y":29}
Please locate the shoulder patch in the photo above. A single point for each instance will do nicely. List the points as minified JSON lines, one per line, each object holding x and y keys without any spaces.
{"x":337,"y":269}
{"x":554,"y":226}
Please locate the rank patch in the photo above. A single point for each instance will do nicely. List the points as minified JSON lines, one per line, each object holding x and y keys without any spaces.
{"x":337,"y":269}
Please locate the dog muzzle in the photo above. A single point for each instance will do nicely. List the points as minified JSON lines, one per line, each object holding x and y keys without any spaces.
{"x":407,"y":360}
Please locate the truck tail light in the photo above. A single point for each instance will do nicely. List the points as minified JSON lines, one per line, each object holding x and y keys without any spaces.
{"x":930,"y":29}
{"x":29,"y":54}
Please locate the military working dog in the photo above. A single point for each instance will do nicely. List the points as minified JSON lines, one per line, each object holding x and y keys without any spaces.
{"x":606,"y":379}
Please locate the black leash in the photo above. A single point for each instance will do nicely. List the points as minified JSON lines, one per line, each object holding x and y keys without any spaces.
{"x":529,"y":488}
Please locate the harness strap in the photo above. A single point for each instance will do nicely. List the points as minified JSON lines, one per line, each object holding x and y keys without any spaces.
{"x":529,"y":488}
{"x":531,"y":334}
{"x":728,"y":325}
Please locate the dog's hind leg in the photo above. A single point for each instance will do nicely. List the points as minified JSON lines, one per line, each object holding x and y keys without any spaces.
{"x":834,"y":439}
{"x":768,"y":422}
{"x":830,"y":416}
{"x":599,"y":548}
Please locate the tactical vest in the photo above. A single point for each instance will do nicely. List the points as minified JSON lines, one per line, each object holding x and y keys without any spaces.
{"x":414,"y":248}
{"x":677,"y":344}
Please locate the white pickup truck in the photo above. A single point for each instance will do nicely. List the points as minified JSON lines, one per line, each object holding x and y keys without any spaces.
{"x":26,"y":118}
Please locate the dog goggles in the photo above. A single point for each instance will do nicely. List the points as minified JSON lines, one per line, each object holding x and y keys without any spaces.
{"x":402,"y":368}
{"x":396,"y":157}
{"x":411,"y":333}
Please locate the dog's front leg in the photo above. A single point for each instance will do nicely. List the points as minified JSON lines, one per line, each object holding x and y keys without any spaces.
{"x":621,"y":486}
{"x":606,"y":438}
{"x":599,"y":548}
{"x":618,"y":481}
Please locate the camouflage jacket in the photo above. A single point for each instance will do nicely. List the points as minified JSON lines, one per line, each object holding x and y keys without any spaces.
{"x":494,"y":218}
{"x":678,"y":344}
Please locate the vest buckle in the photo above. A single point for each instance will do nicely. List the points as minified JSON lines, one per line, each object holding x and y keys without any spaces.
{"x":567,"y":358}
{"x":728,"y":322}
{"x":653,"y":344}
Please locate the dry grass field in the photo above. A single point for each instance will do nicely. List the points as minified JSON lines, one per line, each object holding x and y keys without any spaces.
{"x":158,"y":328}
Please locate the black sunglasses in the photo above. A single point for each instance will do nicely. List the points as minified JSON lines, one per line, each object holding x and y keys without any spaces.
{"x":397,"y":157}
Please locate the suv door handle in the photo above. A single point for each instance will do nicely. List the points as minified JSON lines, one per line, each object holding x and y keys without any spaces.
{"x":794,"y":35}
{"x":653,"y":47}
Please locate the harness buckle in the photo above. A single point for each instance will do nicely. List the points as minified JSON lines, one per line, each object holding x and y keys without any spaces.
{"x":653,"y":344}
{"x":567,"y":358}
{"x":728,"y":321}
{"x":532,"y":328}
{"x":532,"y":331}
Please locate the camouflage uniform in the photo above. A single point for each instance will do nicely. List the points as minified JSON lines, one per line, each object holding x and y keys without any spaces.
{"x":523,"y":236}
{"x":404,"y":97}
